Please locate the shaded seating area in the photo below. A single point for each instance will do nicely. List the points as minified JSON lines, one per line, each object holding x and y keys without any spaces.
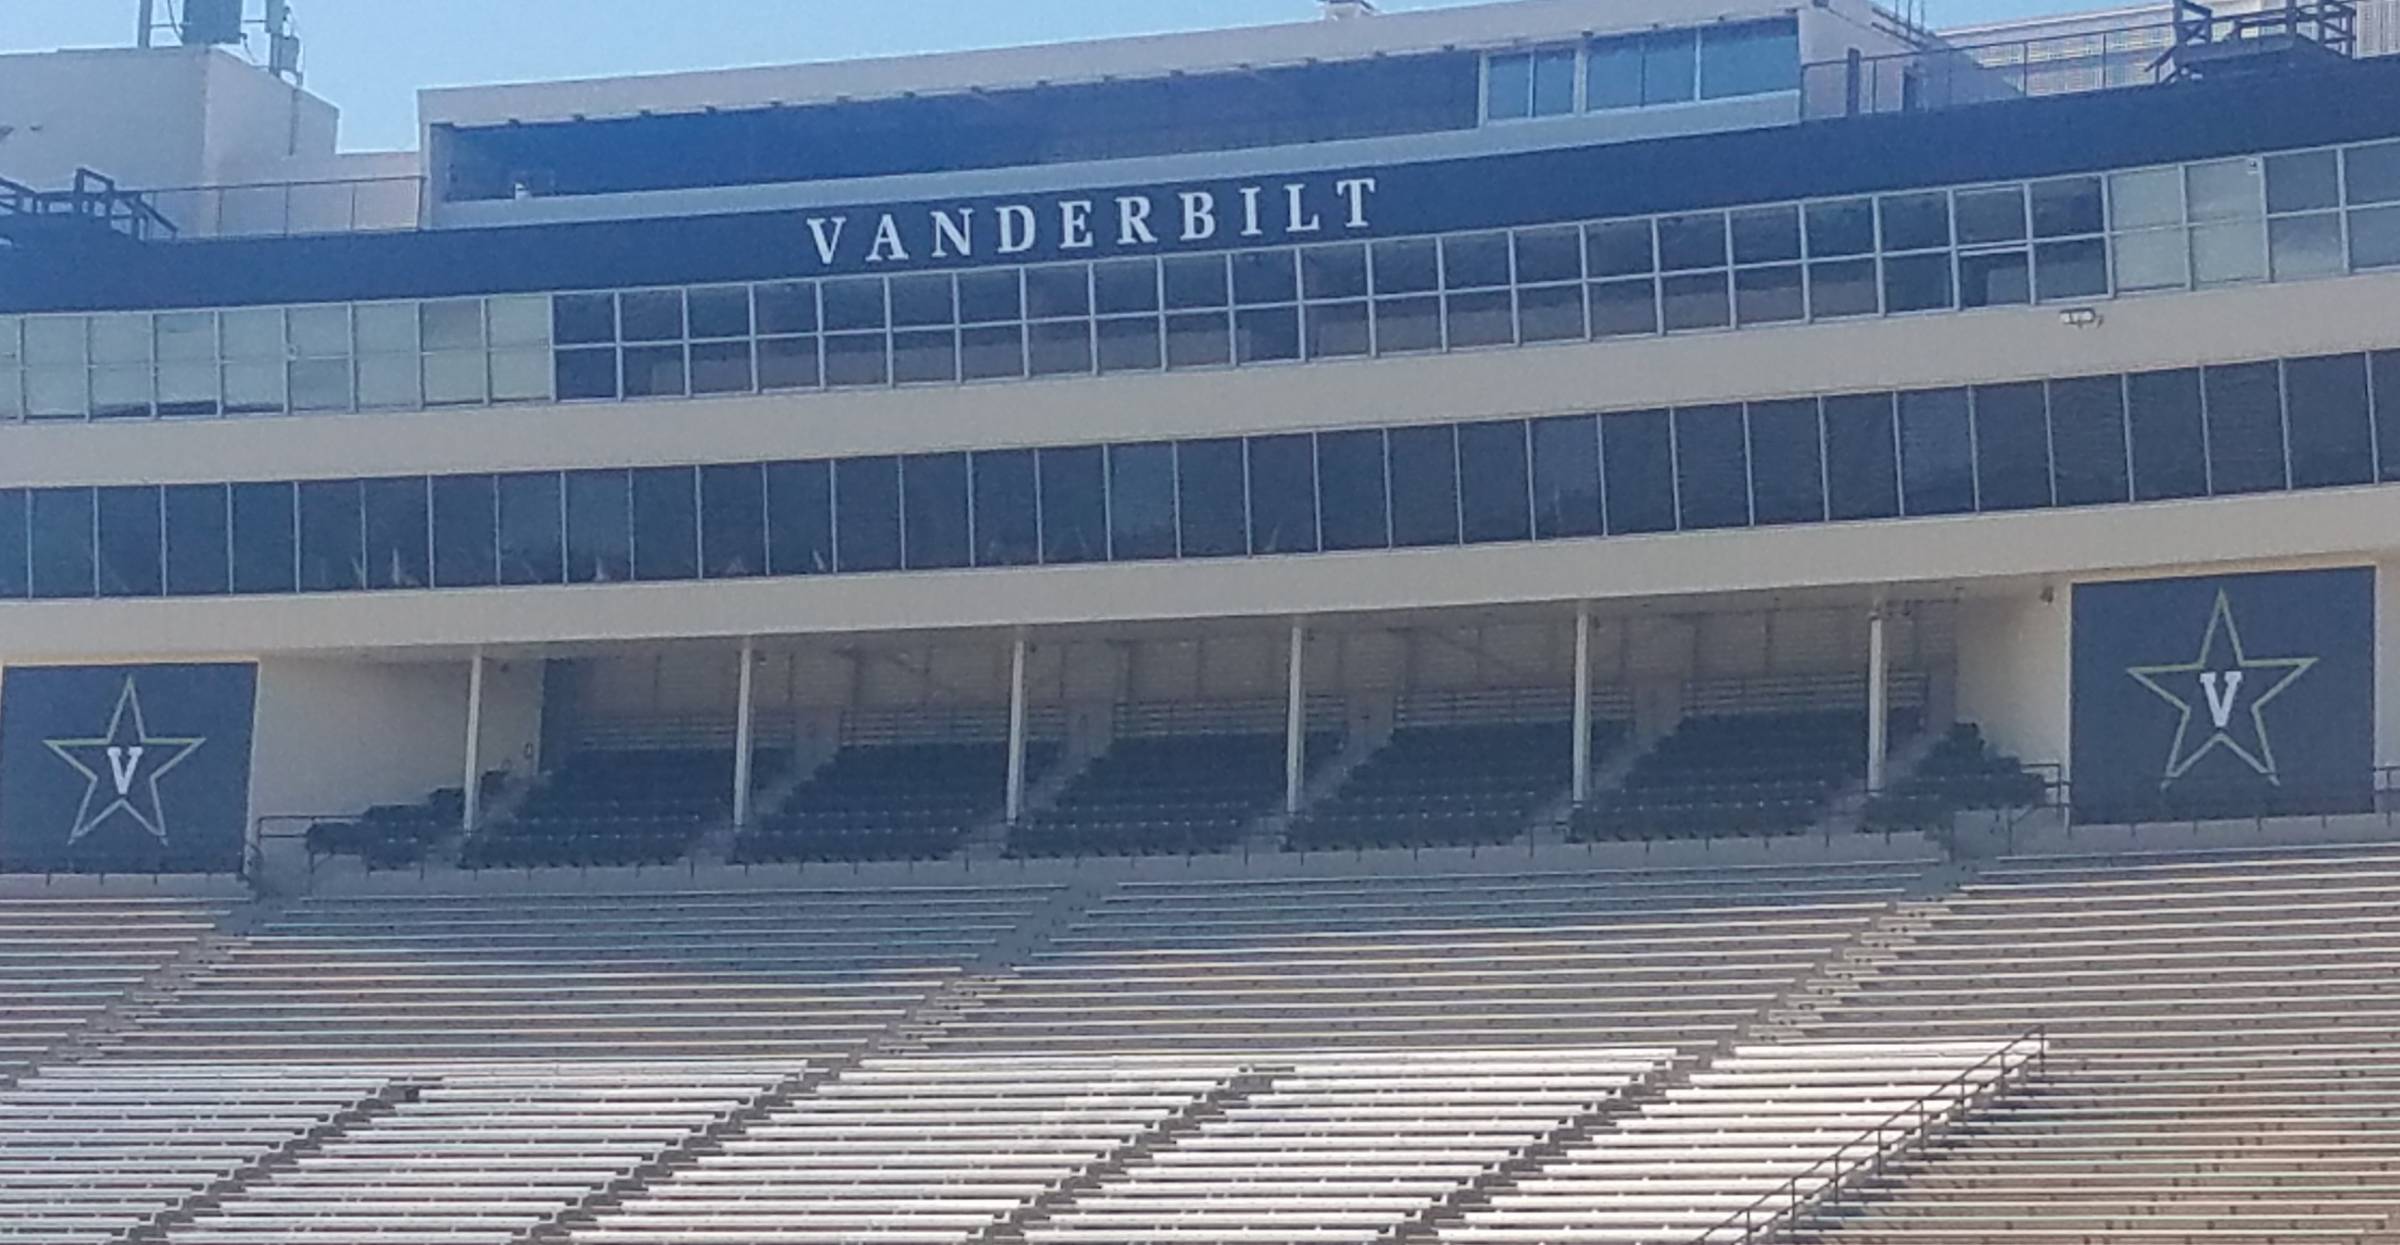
{"x":1449,"y":786}
{"x":614,"y":808}
{"x":1961,"y":772}
{"x":1732,"y":774}
{"x":1165,"y":794}
{"x":912,"y":801}
{"x":398,"y":836}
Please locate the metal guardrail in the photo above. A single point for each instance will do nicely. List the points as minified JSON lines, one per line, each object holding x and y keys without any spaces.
{"x":94,"y":198}
{"x":1901,"y":1133}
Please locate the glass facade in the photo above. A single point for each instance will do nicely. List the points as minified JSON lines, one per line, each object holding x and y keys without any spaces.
{"x":2286,"y":216}
{"x":1642,"y":70}
{"x":2227,"y":429}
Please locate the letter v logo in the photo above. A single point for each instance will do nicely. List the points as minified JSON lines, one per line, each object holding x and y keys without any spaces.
{"x":122,"y":764}
{"x":2220,"y":708}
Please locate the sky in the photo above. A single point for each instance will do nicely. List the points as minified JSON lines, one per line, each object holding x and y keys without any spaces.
{"x":370,"y":56}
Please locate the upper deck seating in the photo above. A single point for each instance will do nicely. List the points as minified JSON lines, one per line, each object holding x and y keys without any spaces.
{"x":1640,"y":957}
{"x":1460,"y":785}
{"x":1962,"y":771}
{"x":1734,"y":774}
{"x":891,"y":801}
{"x":398,"y":836}
{"x":64,"y":962}
{"x":788,"y":974}
{"x":615,"y":808}
{"x":1164,"y":794}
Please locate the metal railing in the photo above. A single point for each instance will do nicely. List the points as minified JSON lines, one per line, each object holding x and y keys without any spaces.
{"x":1822,"y":1182}
{"x":92,"y":197}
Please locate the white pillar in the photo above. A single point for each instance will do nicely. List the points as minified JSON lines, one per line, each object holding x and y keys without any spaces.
{"x":744,"y":699}
{"x":1295,"y":724}
{"x":1583,"y":701}
{"x":1016,"y":728}
{"x":473,"y":804}
{"x":1879,"y":694}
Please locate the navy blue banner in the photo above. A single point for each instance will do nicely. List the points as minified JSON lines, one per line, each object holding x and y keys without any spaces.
{"x":125,"y":769}
{"x":2225,"y":696}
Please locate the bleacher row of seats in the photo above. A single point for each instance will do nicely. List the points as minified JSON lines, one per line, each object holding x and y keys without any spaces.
{"x":1606,"y":1056}
{"x":1458,"y":785}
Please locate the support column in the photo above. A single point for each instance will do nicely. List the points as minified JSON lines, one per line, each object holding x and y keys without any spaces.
{"x":473,"y":803}
{"x":744,"y":729}
{"x":1583,"y":701}
{"x":1879,"y":694}
{"x":1295,"y":723}
{"x":1016,"y":728}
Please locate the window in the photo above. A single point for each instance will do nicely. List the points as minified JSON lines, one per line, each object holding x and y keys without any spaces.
{"x":532,"y":541}
{"x":15,"y":536}
{"x":1566,"y":477}
{"x":456,"y":362}
{"x":2087,"y":438}
{"x":1539,"y":83}
{"x":1750,"y":58}
{"x":733,"y":521}
{"x":799,"y":518}
{"x":866,"y":527}
{"x":2225,"y":202}
{"x":1862,"y":470}
{"x":254,"y":354}
{"x":2383,"y":372}
{"x":398,"y":533}
{"x":1351,"y":490}
{"x":63,"y":553}
{"x":1787,"y":462}
{"x":1937,"y":452}
{"x":2012,"y":446}
{"x":934,"y":525}
{"x":1637,"y":454}
{"x":1493,"y":482}
{"x":1211,"y":500}
{"x":131,"y":557}
{"x":332,"y":536}
{"x":2332,"y":436}
{"x":1712,"y":466}
{"x":666,"y":523}
{"x":1074,"y":504}
{"x":1141,"y":501}
{"x":1424,"y":472}
{"x":599,"y":527}
{"x":2244,"y":403}
{"x":198,"y":535}
{"x":466,"y":531}
{"x":265,"y":548}
{"x":1283,"y":494}
{"x":2163,"y":411}
{"x":1007,"y":515}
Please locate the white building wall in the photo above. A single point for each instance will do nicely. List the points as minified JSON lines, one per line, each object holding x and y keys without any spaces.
{"x":335,"y":736}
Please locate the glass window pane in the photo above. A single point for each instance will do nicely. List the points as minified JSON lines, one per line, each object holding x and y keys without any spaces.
{"x":450,"y":324}
{"x":254,"y":333}
{"x":924,"y":356}
{"x":933,"y":498}
{"x":321,"y":385}
{"x":1475,"y":261}
{"x":853,"y":303}
{"x":1566,"y":477}
{"x":1712,"y":466}
{"x":1862,"y":470}
{"x":1508,"y":86}
{"x":658,"y":371}
{"x":1845,"y":287}
{"x":1059,"y":347}
{"x":651,"y":315}
{"x":1407,"y":266}
{"x":799,"y":518}
{"x":1481,"y":319}
{"x":587,"y":374}
{"x":2332,"y":437}
{"x":1613,"y":74}
{"x":2375,"y":238}
{"x":1693,"y":241}
{"x":1132,"y":344}
{"x":1914,"y":222}
{"x":719,"y":311}
{"x":264,"y":549}
{"x":1551,"y":313}
{"x":1750,"y":58}
{"x":398,"y":531}
{"x":1620,"y":248}
{"x":584,"y":318}
{"x":2305,"y":246}
{"x":866,"y":527}
{"x":1192,"y":281}
{"x":1694,"y":300}
{"x":1637,"y":456}
{"x":182,"y":335}
{"x":332,"y":536}
{"x":1337,"y":330}
{"x":466,"y":531}
{"x":1842,"y":227}
{"x":1283,"y":494}
{"x":63,"y":554}
{"x":1553,"y":82}
{"x":2304,"y":180}
{"x":255,"y":388}
{"x":2371,"y":173}
{"x":733,"y":521}
{"x":2224,"y":189}
{"x":1074,"y":504}
{"x":1211,"y":498}
{"x":1408,"y":324}
{"x":853,"y":359}
{"x":1424,"y":485}
{"x":2145,"y":197}
{"x":1787,"y":462}
{"x":1668,"y":66}
{"x":992,"y":351}
{"x":519,"y":319}
{"x":1543,"y":255}
{"x":2383,"y":367}
{"x":666,"y":523}
{"x":1493,"y":481}
{"x":1125,"y":285}
{"x":319,"y":332}
{"x":2066,"y":207}
{"x":532,"y":545}
{"x":995,"y":295}
{"x":1937,"y":454}
{"x":1766,"y":235}
{"x":393,"y":381}
{"x":198,"y":534}
{"x":1768,"y":295}
{"x":1916,"y":282}
{"x":2231,"y":251}
{"x":1352,"y":493}
{"x":1141,"y":501}
{"x":2087,"y":438}
{"x":599,"y":527}
{"x":1008,"y":528}
{"x":2244,"y":403}
{"x":2157,"y":260}
{"x":131,"y":559}
{"x":788,"y":363}
{"x":2012,"y":446}
{"x":1334,"y":271}
{"x":15,"y":536}
{"x":1993,"y":214}
{"x":1994,"y":279}
{"x":2075,"y":269}
{"x":722,"y":367}
{"x":1625,"y":308}
{"x":2163,"y":409}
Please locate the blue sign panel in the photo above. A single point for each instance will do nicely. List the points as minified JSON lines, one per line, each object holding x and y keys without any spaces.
{"x":111,"y":769}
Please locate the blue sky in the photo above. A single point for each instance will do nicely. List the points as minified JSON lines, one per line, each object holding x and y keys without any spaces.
{"x":370,"y":56}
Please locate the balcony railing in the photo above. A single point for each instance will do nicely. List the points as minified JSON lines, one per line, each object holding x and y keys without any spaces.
{"x":286,"y":209}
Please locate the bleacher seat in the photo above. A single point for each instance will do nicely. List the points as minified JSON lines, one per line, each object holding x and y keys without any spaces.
{"x":1449,"y":786}
{"x":1732,"y":774}
{"x":891,"y":802}
{"x":616,"y":808}
{"x":1960,"y":772}
{"x":398,"y":836}
{"x":65,"y":962}
{"x":1165,"y":794}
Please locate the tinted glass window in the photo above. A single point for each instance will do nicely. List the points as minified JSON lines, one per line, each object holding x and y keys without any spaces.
{"x":2331,"y":435}
{"x":199,"y":535}
{"x":2383,"y":368}
{"x":1141,"y":501}
{"x":1351,"y":490}
{"x":1424,"y":486}
{"x":1007,"y":518}
{"x":62,"y":542}
{"x":332,"y":536}
{"x":1492,"y":478}
{"x":131,"y":559}
{"x":599,"y":527}
{"x":666,"y":523}
{"x":2012,"y":447}
{"x":733,"y":521}
{"x":2087,"y":438}
{"x":398,"y":532}
{"x":264,"y":548}
{"x":1749,"y":59}
{"x":1210,"y":499}
{"x":2164,"y":411}
{"x":1283,"y":494}
{"x":14,"y":536}
{"x":1637,"y":454}
{"x":532,"y":544}
{"x":1937,"y":456}
{"x":2245,"y":428}
{"x":866,"y":525}
{"x":1862,"y":468}
{"x":1566,"y":477}
{"x":1712,"y":466}
{"x":799,"y":518}
{"x":1074,"y":505}
{"x":933,"y":488}
{"x":1787,"y":466}
{"x":466,"y":532}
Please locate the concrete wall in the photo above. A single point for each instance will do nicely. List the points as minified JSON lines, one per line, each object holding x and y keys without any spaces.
{"x":2013,"y":671}
{"x":156,"y":117}
{"x":337,"y":735}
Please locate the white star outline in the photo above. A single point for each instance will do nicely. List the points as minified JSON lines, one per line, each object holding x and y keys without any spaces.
{"x":2220,"y":619}
{"x":129,"y":701}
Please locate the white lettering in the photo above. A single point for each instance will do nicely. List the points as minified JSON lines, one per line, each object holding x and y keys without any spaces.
{"x":1356,"y":190}
{"x":887,"y":242}
{"x":828,"y":243}
{"x":2220,"y":710}
{"x":1199,"y":215}
{"x":1075,"y":225}
{"x":122,"y":762}
{"x":1133,"y":220}
{"x":1017,"y":229}
{"x":953,"y":233}
{"x":1302,"y":220}
{"x":1250,"y":227}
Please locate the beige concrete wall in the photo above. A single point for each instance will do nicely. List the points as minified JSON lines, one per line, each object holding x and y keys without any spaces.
{"x":2013,"y":672}
{"x":335,"y":735}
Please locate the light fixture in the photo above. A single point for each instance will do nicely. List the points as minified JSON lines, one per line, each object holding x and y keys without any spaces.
{"x":2080,"y":317}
